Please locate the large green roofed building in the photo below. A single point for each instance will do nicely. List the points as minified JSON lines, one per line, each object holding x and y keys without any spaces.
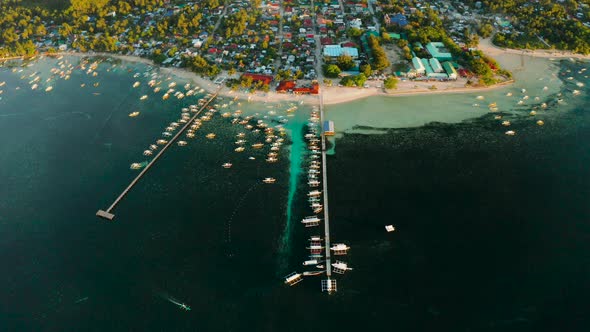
{"x":450,"y":70}
{"x":439,"y":51}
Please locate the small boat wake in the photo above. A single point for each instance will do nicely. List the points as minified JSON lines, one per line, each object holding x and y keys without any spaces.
{"x":175,"y":301}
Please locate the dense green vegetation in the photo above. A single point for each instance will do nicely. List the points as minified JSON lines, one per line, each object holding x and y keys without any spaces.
{"x":379,"y":58}
{"x":19,"y":25}
{"x":390,"y":82}
{"x":117,"y":26}
{"x":331,"y":71}
{"x":556,"y":23}
{"x":358,"y":80}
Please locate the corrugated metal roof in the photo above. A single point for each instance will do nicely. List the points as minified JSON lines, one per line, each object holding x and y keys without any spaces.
{"x":449,"y":69}
{"x":435,"y":64}
{"x":433,"y":49}
{"x":418,"y":64}
{"x":427,"y":66}
{"x":337,"y":50}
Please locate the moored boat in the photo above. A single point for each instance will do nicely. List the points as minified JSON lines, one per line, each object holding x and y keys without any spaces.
{"x":269,"y":180}
{"x":293,"y":279}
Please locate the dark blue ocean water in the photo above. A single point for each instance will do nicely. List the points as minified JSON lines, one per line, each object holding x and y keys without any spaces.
{"x":492,"y":232}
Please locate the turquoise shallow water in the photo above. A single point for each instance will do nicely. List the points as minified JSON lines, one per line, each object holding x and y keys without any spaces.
{"x":491,"y":230}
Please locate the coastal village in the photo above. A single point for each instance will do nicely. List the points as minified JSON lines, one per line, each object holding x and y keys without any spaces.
{"x":291,"y":46}
{"x":285,"y":47}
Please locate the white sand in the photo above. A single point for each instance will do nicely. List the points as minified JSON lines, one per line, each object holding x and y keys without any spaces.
{"x":488,"y":48}
{"x":337,"y":95}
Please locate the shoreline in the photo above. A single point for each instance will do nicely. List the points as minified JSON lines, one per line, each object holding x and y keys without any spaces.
{"x":486,"y":46}
{"x":331,"y":95}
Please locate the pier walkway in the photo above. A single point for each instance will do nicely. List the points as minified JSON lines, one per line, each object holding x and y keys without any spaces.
{"x":327,"y":285}
{"x":107,"y":214}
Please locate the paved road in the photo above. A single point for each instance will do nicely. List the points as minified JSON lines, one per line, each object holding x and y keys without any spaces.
{"x":375,"y":20}
{"x":280,"y":53}
{"x":225,"y":7}
{"x":318,"y":48}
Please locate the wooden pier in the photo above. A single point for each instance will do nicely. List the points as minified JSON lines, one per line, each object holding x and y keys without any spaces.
{"x":328,"y":285}
{"x":107,"y":214}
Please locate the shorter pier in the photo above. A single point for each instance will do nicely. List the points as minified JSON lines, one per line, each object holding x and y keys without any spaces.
{"x":107,"y":214}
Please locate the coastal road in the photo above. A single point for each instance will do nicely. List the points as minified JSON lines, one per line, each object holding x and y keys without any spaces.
{"x":281,"y":38}
{"x":341,"y":3}
{"x":372,"y":11}
{"x":226,"y":4}
{"x":318,"y":47}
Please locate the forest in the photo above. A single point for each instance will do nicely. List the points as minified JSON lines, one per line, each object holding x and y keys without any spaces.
{"x":559,"y":24}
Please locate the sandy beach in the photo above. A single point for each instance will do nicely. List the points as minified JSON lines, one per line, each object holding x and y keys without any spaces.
{"x":488,"y":48}
{"x":336,"y":95}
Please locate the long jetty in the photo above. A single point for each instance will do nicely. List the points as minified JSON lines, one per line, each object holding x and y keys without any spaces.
{"x":108,"y":214}
{"x":327,"y":285}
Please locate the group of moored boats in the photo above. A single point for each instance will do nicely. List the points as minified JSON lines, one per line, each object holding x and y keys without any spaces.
{"x":317,"y":260}
{"x":314,"y":166}
{"x":494,"y":108}
{"x":156,"y":85}
{"x":317,"y":245}
{"x":185,"y":117}
{"x":267,"y":136}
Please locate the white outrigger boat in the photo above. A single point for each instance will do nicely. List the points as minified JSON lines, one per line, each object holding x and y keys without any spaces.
{"x":293,"y":279}
{"x":269,"y":180}
{"x":311,"y":221}
{"x":314,"y":193}
{"x":340,"y":267}
{"x":310,"y":262}
{"x":136,"y":166}
{"x":227,"y":165}
{"x":340,"y":249}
